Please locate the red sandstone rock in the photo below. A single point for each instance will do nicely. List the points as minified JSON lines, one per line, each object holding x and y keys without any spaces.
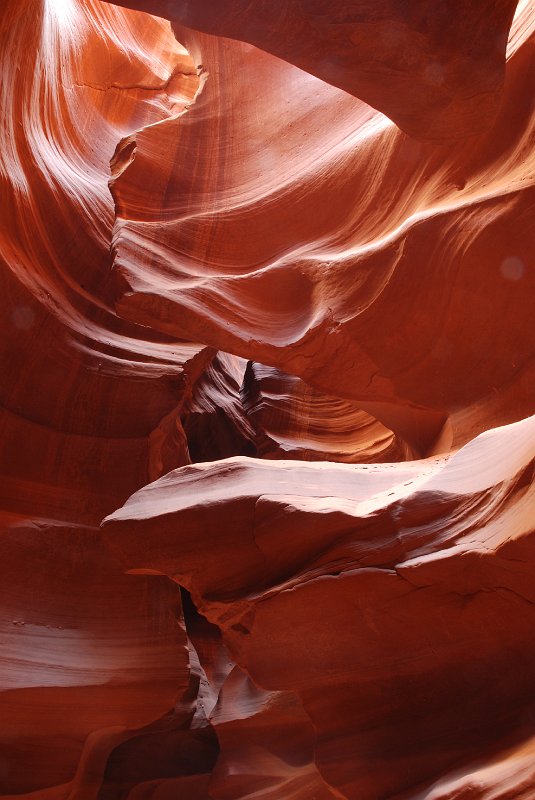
{"x":213,"y":258}
{"x":437,"y":71}
{"x":214,"y":420}
{"x":292,"y":420}
{"x":371,"y":266}
{"x":90,"y":657}
{"x":391,"y":598}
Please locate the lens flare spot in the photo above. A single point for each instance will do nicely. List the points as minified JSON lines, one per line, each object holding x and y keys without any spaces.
{"x":512,"y":268}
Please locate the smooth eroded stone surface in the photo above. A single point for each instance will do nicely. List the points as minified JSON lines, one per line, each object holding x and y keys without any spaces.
{"x":267,"y":396}
{"x":379,"y":595}
{"x":436,"y":70}
{"x":292,"y":420}
{"x":305,"y":232}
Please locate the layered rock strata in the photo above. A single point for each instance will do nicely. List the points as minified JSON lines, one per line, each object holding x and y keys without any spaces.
{"x":267,"y":400}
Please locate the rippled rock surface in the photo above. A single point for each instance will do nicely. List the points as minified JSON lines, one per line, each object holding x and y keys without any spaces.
{"x":268,"y":380}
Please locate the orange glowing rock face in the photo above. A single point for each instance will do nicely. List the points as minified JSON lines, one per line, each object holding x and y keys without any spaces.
{"x":267,"y":487}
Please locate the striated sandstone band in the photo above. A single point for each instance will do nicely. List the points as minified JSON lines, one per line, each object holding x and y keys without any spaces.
{"x":267,"y":398}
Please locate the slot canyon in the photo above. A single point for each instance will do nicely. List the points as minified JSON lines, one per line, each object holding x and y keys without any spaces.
{"x":267,"y":400}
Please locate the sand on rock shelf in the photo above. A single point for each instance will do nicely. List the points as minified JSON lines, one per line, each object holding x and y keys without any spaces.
{"x":267,"y":400}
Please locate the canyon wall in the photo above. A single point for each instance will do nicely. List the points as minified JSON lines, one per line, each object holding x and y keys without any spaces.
{"x":268,"y":377}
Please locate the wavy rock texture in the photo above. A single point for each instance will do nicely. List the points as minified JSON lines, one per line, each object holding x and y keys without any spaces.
{"x":267,"y":400}
{"x":306,"y":251}
{"x":437,"y":72}
{"x":293,"y":420}
{"x":391,"y":600}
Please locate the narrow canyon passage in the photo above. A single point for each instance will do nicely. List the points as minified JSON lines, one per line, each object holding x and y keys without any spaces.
{"x":267,"y":400}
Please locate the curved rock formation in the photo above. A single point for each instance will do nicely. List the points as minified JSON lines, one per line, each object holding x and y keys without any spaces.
{"x":292,"y":420}
{"x":267,"y":400}
{"x":361,"y":242}
{"x":89,"y":656}
{"x":436,"y":71}
{"x":396,"y":601}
